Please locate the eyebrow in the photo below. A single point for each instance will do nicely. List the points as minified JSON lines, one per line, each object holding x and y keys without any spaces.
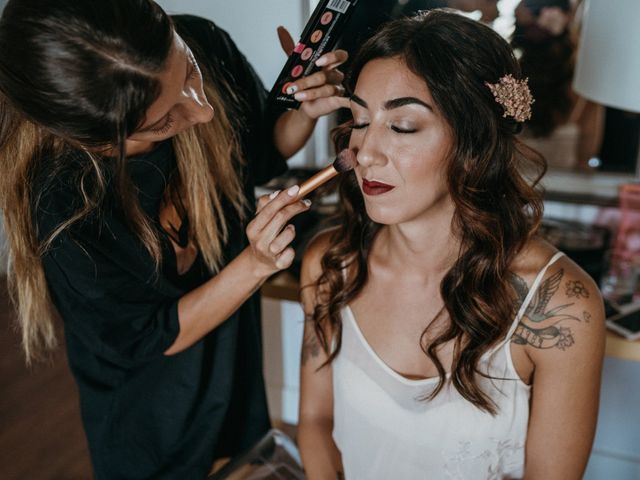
{"x":190,"y":67}
{"x":394,"y":103}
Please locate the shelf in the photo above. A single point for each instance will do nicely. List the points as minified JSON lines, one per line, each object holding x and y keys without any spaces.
{"x":620,"y":347}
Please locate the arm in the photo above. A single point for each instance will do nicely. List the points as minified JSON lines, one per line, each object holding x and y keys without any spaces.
{"x":320,"y":455}
{"x":567,"y":358}
{"x":291,"y":132}
{"x":206,"y":307}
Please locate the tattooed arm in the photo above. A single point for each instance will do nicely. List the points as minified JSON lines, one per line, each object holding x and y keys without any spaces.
{"x":320,"y":456}
{"x":563,"y":334}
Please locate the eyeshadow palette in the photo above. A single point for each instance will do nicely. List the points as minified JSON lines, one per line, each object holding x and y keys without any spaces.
{"x":319,"y":36}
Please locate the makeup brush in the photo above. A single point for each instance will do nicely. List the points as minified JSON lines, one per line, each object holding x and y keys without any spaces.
{"x":344,"y":162}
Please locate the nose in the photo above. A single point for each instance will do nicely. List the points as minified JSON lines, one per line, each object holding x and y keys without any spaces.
{"x":367,"y":149}
{"x":196,"y":107}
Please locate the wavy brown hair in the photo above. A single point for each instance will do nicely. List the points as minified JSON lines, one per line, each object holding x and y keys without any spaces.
{"x":77,"y":77}
{"x":497,"y":209}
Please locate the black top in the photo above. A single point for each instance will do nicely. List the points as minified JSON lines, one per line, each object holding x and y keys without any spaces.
{"x":147,"y":415}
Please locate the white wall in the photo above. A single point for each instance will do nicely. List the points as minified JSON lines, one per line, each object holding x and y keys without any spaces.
{"x":252,"y":25}
{"x":282,"y":324}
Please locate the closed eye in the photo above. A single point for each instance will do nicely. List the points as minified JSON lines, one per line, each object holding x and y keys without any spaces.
{"x":166,"y":127}
{"x":402,"y":130}
{"x":359,"y":126}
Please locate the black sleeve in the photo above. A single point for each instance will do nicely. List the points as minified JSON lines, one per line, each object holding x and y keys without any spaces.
{"x":258,"y":119}
{"x":103,"y":287}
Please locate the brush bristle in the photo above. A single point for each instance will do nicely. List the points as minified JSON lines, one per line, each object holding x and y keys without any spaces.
{"x":345,"y":161}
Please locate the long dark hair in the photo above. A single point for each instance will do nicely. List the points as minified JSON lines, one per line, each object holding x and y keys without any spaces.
{"x":496,"y":208}
{"x":79,"y":76}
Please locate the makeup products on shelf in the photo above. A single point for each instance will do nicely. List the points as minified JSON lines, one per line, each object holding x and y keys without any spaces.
{"x":319,"y":36}
{"x":344,"y":162}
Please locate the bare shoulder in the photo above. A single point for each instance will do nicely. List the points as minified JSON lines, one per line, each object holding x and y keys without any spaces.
{"x":311,"y":260}
{"x":312,"y":294}
{"x":564,"y":314}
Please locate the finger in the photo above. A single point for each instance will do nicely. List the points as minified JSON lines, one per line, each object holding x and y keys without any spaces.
{"x":324,"y":77}
{"x":278,"y":222}
{"x":283,"y":240}
{"x":340,"y":102}
{"x":285,"y":259}
{"x":265,"y":199}
{"x":322,"y":92}
{"x":286,"y":40}
{"x":267,"y":207}
{"x":272,"y":208}
{"x":332,"y":59}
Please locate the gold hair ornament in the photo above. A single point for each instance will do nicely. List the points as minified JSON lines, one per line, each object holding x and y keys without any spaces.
{"x":514,"y":96}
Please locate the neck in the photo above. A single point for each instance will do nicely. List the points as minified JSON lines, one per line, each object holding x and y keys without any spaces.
{"x":427,"y":246}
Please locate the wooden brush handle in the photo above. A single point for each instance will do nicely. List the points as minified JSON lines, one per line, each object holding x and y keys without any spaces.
{"x":323,"y":176}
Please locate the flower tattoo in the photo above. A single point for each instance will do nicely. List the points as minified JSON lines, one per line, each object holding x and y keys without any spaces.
{"x":576,"y":289}
{"x":565,"y":339}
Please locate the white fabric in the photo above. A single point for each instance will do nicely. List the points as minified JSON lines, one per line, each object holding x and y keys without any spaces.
{"x":385,"y":431}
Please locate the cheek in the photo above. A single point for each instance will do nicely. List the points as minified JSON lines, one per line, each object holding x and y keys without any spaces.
{"x":424,"y":162}
{"x":424,"y":179}
{"x":355,"y":140}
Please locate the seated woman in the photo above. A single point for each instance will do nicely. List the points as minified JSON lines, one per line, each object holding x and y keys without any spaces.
{"x":443,"y":338}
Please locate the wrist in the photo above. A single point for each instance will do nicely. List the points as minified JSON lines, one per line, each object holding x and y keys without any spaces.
{"x":302,"y":116}
{"x":256,"y":269}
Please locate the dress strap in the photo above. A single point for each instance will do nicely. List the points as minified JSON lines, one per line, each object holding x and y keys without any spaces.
{"x":531,"y":293}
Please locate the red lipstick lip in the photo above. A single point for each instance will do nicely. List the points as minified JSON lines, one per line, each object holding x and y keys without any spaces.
{"x":375,"y":188}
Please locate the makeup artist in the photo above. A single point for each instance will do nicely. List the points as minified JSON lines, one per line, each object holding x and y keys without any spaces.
{"x":130,"y":144}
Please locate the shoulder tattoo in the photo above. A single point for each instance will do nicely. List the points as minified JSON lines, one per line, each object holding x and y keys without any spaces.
{"x":543,"y":327}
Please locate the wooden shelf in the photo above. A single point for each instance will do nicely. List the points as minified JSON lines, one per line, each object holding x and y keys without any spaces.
{"x":284,"y":286}
{"x":620,"y":347}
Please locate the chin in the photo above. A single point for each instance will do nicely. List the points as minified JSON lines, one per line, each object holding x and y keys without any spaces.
{"x":398,"y":212}
{"x":385,"y":215}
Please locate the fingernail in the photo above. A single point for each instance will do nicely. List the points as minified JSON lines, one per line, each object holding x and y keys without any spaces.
{"x":300,"y":96}
{"x":307,"y":202}
{"x":321,"y":62}
{"x":292,"y":89}
{"x":274,"y":194}
{"x":293,"y":190}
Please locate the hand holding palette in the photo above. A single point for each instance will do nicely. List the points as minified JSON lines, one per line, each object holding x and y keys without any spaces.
{"x":319,"y":36}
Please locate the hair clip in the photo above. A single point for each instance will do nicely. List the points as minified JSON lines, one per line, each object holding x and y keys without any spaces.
{"x":514,"y":96}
